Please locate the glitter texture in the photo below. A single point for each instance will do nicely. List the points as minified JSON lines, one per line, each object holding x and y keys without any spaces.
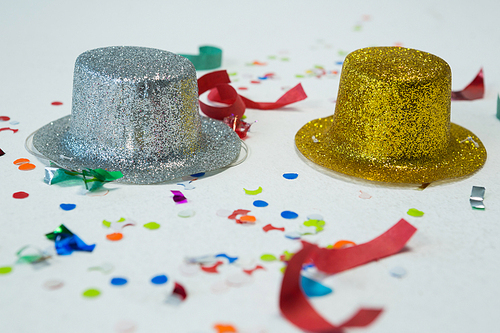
{"x":392,"y":121}
{"x":135,"y":110}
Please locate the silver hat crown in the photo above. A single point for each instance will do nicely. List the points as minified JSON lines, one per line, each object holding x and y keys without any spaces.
{"x":135,"y":110}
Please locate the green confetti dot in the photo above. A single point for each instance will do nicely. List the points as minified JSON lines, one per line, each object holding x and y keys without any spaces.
{"x":285,"y":59}
{"x":272,"y":57}
{"x":300,"y":76}
{"x":357,"y":28}
{"x":243,"y":117}
{"x":122,"y":219}
{"x":152,"y":225}
{"x":5,"y":270}
{"x":105,"y":223}
{"x":90,"y":293}
{"x":253,"y":192}
{"x":415,"y":212}
{"x":268,"y":257}
{"x":232,"y":74}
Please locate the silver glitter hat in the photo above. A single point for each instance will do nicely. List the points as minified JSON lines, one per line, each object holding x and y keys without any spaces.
{"x":135,"y":110}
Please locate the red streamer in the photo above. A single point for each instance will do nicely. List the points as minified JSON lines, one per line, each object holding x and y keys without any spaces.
{"x":220,"y":91}
{"x":475,"y":90}
{"x":293,"y":302}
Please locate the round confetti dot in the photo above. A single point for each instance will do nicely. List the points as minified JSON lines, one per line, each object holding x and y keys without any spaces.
{"x":115,"y":236}
{"x":398,"y":272}
{"x":289,"y":214}
{"x":20,"y":161}
{"x":67,"y":206}
{"x":118,"y":281}
{"x":260,"y":203}
{"x":5,"y":270}
{"x":26,"y":167}
{"x":315,"y":217}
{"x":125,"y":326}
{"x":91,"y":293}
{"x":20,"y":195}
{"x":159,"y":279}
{"x":268,"y":257}
{"x":293,"y":235}
{"x":53,"y":284}
{"x":14,"y":122}
{"x":414,"y":212}
{"x":224,"y":212}
{"x":186,"y":213}
{"x":56,"y":103}
{"x":239,"y":279}
{"x":247,"y":218}
{"x":152,"y":225}
{"x":219,"y":287}
{"x":290,"y":175}
{"x":189,"y":270}
{"x":4,"y":118}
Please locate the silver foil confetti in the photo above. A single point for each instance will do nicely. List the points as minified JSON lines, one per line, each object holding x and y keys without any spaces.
{"x":477,"y":197}
{"x":135,"y":110}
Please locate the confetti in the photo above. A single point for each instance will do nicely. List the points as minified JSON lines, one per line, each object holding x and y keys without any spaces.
{"x":56,"y":103}
{"x":105,"y":268}
{"x":186,"y":213}
{"x":8,"y":129}
{"x":246,"y":219}
{"x":239,"y":126}
{"x":268,"y":257}
{"x":114,"y":236}
{"x":67,"y":206}
{"x":230,"y":259}
{"x":242,"y":88}
{"x":315,"y":217}
{"x":20,"y":161}
{"x":397,"y":272}
{"x":178,"y":197}
{"x":293,"y":235}
{"x":118,"y":281}
{"x":269,"y":227}
{"x":477,"y":197}
{"x":260,"y":203}
{"x":219,"y":287}
{"x":237,"y":212}
{"x":179,"y":291}
{"x":187,"y":185}
{"x":91,"y":293}
{"x":27,"y":167}
{"x":318,"y":224}
{"x":2,"y":152}
{"x":4,"y":118}
{"x":364,"y":195}
{"x":151,"y":225}
{"x":225,"y":328}
{"x":290,"y":175}
{"x":5,"y":270}
{"x":125,"y":326}
{"x":415,"y":212}
{"x":341,"y":244}
{"x":159,"y":279}
{"x":31,"y":255}
{"x":423,"y":186}
{"x":198,"y":175}
{"x":189,"y":269}
{"x":239,"y":279}
{"x":20,"y":195}
{"x":250,"y":271}
{"x":313,"y":288}
{"x":212,"y":269}
{"x":53,"y":284}
{"x":66,"y":242}
{"x":253,"y":192}
{"x":289,"y":214}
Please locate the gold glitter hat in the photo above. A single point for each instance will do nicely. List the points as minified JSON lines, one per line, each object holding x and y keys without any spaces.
{"x":135,"y":110}
{"x":392,"y":121}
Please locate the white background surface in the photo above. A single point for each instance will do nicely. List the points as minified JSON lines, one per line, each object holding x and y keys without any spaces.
{"x":453,"y":263}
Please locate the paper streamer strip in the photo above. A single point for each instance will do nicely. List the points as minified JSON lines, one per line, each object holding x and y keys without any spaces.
{"x":475,"y":89}
{"x":220,"y":91}
{"x":210,"y":57}
{"x":294,"y":304}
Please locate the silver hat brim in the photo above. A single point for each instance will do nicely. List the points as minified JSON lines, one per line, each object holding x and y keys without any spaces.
{"x":219,"y":147}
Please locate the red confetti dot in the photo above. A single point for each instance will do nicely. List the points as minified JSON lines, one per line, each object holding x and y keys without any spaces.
{"x":255,"y":82}
{"x":242,"y":88}
{"x":56,"y":103}
{"x":20,"y":195}
{"x":4,"y":118}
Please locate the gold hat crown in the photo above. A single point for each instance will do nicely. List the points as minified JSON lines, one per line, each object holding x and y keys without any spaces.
{"x":392,"y":121}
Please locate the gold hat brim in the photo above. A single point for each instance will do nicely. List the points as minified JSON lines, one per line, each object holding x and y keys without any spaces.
{"x":465,"y":155}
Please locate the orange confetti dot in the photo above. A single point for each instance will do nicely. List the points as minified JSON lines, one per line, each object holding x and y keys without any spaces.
{"x":20,"y":161}
{"x":26,"y":166}
{"x":343,"y":243}
{"x":221,"y":328}
{"x":115,"y":236}
{"x":247,"y":218}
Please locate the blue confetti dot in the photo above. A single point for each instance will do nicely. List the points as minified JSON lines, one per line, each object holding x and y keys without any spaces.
{"x":289,"y":214}
{"x":290,"y":175}
{"x":260,"y":203}
{"x":160,"y":279}
{"x":118,"y":281}
{"x":67,"y":206}
{"x":201,"y":174}
{"x":339,"y":62}
{"x":230,"y":259}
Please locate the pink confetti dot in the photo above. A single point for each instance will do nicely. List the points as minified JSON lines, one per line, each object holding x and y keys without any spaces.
{"x":20,"y":195}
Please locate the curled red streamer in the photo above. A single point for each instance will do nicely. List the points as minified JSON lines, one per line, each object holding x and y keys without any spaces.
{"x":293,"y":302}
{"x":220,"y":91}
{"x":474,"y":90}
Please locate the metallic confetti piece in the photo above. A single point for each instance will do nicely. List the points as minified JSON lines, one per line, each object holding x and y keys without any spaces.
{"x":31,"y":255}
{"x":268,"y":257}
{"x":118,"y":281}
{"x":415,"y":212}
{"x":186,"y":213}
{"x":313,"y":288}
{"x":180,"y":291}
{"x":210,"y":57}
{"x":287,"y":214}
{"x":151,"y":226}
{"x":397,"y":272}
{"x":178,"y":197}
{"x":159,"y":279}
{"x":260,"y":203}
{"x":53,"y":284}
{"x":253,"y":192}
{"x":238,"y":125}
{"x":2,"y":152}
{"x":91,"y":293}
{"x":66,"y":242}
{"x":270,"y":227}
{"x":477,"y":197}
{"x":187,"y":185}
{"x":223,"y":255}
